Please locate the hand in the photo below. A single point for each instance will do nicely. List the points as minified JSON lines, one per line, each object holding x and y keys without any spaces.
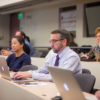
{"x":86,"y":56}
{"x":98,"y":95}
{"x":5,"y":52}
{"x":21,"y":75}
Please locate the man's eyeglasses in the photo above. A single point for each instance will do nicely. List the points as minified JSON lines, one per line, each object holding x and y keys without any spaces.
{"x":54,"y":41}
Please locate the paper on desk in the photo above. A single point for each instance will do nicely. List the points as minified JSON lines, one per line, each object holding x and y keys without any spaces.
{"x":34,"y":83}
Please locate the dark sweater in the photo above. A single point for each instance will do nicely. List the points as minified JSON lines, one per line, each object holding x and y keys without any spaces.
{"x":15,"y":63}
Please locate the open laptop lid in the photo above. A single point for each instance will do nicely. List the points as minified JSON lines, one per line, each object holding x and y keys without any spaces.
{"x":4,"y":71}
{"x":66,"y":84}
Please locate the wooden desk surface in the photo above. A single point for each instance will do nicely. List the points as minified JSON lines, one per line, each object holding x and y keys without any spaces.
{"x":42,"y":91}
{"x":47,"y":90}
{"x":94,"y":67}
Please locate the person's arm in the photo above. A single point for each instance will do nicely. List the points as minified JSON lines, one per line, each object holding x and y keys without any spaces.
{"x":22,"y":75}
{"x":34,"y":75}
{"x":85,"y":55}
{"x":40,"y":74}
{"x":91,"y":53}
{"x":6,"y":52}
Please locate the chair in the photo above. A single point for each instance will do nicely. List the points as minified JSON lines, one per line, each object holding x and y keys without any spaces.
{"x":37,"y":54}
{"x":86,"y":82}
{"x":86,"y":48}
{"x":28,"y":67}
{"x":86,"y":71}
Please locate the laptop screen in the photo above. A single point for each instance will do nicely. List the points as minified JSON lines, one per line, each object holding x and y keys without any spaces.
{"x":66,"y":84}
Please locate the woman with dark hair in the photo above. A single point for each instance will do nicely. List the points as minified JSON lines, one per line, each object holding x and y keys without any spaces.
{"x":19,"y":58}
{"x":22,"y":34}
{"x":29,"y":49}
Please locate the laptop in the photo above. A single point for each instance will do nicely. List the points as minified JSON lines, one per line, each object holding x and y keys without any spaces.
{"x":67,"y":84}
{"x":4,"y":71}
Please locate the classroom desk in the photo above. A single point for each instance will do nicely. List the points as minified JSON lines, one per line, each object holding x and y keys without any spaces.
{"x":94,"y":67}
{"x":43,"y":91}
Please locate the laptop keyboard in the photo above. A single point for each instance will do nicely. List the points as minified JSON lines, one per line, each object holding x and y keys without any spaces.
{"x":22,"y":80}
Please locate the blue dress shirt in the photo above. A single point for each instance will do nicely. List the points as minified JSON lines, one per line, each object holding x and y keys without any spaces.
{"x":68,"y":59}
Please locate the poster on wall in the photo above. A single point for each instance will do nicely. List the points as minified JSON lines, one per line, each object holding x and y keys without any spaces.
{"x":68,"y":20}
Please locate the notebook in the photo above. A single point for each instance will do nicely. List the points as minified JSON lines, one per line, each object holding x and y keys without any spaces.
{"x":66,"y":84}
{"x":4,"y":71}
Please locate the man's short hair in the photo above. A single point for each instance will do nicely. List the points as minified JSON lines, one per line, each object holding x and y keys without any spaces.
{"x":64,"y":34}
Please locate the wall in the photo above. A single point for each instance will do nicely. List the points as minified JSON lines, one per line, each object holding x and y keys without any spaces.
{"x":4,"y":30}
{"x":80,"y":39}
{"x":40,"y":21}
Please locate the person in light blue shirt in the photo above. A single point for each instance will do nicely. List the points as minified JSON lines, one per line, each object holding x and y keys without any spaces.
{"x":68,"y":59}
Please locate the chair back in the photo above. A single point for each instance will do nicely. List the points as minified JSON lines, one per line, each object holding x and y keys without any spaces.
{"x":86,"y":82}
{"x":28,"y":67}
{"x":37,"y":54}
{"x":86,"y":71}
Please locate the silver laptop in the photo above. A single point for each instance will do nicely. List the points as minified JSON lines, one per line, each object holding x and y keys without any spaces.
{"x":66,"y":84}
{"x":4,"y":71}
